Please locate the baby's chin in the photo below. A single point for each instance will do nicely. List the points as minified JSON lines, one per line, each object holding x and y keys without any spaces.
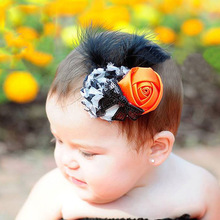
{"x":98,"y":201}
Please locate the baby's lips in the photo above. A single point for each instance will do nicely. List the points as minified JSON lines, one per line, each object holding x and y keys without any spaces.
{"x":143,"y":88}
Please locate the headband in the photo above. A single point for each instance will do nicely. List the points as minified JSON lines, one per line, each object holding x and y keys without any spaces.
{"x":114,"y":93}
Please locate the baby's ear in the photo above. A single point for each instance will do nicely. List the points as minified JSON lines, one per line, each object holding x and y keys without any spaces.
{"x":161,"y":147}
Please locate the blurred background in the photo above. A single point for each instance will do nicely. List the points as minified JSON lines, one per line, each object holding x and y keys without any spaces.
{"x":35,"y":35}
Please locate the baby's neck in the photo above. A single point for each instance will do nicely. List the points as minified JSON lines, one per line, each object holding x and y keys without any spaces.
{"x":155,"y":175}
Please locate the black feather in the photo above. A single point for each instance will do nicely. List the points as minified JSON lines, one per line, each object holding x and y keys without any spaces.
{"x":121,"y":49}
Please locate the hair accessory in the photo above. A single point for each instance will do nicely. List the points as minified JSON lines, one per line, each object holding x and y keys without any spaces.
{"x":143,"y":88}
{"x":115,"y":93}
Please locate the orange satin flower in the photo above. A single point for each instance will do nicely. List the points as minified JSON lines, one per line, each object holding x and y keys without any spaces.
{"x":143,"y":88}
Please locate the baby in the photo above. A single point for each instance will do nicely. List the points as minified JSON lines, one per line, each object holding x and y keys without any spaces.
{"x":114,"y":108}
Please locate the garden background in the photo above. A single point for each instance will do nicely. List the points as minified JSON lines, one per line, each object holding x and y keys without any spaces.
{"x":35,"y":35}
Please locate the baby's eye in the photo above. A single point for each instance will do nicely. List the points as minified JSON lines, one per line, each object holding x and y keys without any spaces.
{"x":59,"y":141}
{"x":87,"y":154}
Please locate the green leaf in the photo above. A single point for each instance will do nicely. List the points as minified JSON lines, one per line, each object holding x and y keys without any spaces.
{"x":212,"y":56}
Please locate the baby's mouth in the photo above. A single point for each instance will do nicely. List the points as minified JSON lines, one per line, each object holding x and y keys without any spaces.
{"x":73,"y":179}
{"x":77,"y":181}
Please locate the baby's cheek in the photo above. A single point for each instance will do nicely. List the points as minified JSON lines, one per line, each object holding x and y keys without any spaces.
{"x":100,"y":177}
{"x":57,"y":157}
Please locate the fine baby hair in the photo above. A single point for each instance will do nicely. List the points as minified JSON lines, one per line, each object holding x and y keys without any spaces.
{"x":114,"y":52}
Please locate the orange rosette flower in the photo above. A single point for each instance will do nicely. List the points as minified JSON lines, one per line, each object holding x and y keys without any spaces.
{"x":143,"y":88}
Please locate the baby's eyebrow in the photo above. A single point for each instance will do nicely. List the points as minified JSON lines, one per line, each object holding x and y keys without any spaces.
{"x":81,"y":145}
{"x":87,"y":146}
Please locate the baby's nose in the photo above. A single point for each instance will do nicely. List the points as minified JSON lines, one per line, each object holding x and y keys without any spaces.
{"x":69,"y":161}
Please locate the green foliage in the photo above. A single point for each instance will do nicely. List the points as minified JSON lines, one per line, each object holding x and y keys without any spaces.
{"x":212,"y":56}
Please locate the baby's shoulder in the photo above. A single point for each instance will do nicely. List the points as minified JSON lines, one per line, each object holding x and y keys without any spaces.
{"x":50,"y":187}
{"x":46,"y":195}
{"x":200,"y":185}
{"x":53,"y":184}
{"x":195,"y":174}
{"x":49,"y":182}
{"x":208,"y":187}
{"x":51,"y":176}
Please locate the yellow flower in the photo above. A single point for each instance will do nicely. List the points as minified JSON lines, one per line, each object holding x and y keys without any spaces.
{"x":51,"y":29}
{"x":165,"y":35}
{"x":13,"y":40}
{"x":146,"y":14}
{"x":114,"y":15}
{"x":212,"y":6}
{"x":192,"y":27}
{"x":196,"y":3}
{"x":101,"y":15}
{"x":194,"y":7}
{"x":39,"y":2}
{"x":27,"y":33}
{"x":169,"y":6}
{"x":15,"y":16}
{"x":20,"y":87}
{"x":211,"y":36}
{"x":4,"y":5}
{"x":29,"y":9}
{"x":4,"y":57}
{"x":125,"y":27}
{"x":70,"y":35}
{"x":36,"y":57}
{"x":128,"y":2}
{"x":93,"y":14}
{"x":65,"y":7}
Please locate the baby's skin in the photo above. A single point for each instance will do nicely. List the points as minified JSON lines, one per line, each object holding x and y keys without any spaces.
{"x":100,"y":174}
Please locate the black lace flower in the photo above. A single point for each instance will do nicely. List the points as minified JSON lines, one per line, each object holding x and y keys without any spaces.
{"x":103,"y":97}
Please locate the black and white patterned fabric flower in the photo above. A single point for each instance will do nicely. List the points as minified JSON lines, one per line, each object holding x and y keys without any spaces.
{"x":103,"y":97}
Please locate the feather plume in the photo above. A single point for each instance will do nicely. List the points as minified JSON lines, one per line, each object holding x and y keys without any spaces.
{"x":121,"y":49}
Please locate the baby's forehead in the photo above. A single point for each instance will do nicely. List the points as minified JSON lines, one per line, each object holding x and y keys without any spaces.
{"x":63,"y":99}
{"x":72,"y":111}
{"x":67,"y":105}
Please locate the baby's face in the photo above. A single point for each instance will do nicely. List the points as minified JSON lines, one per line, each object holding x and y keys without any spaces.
{"x":93,"y":155}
